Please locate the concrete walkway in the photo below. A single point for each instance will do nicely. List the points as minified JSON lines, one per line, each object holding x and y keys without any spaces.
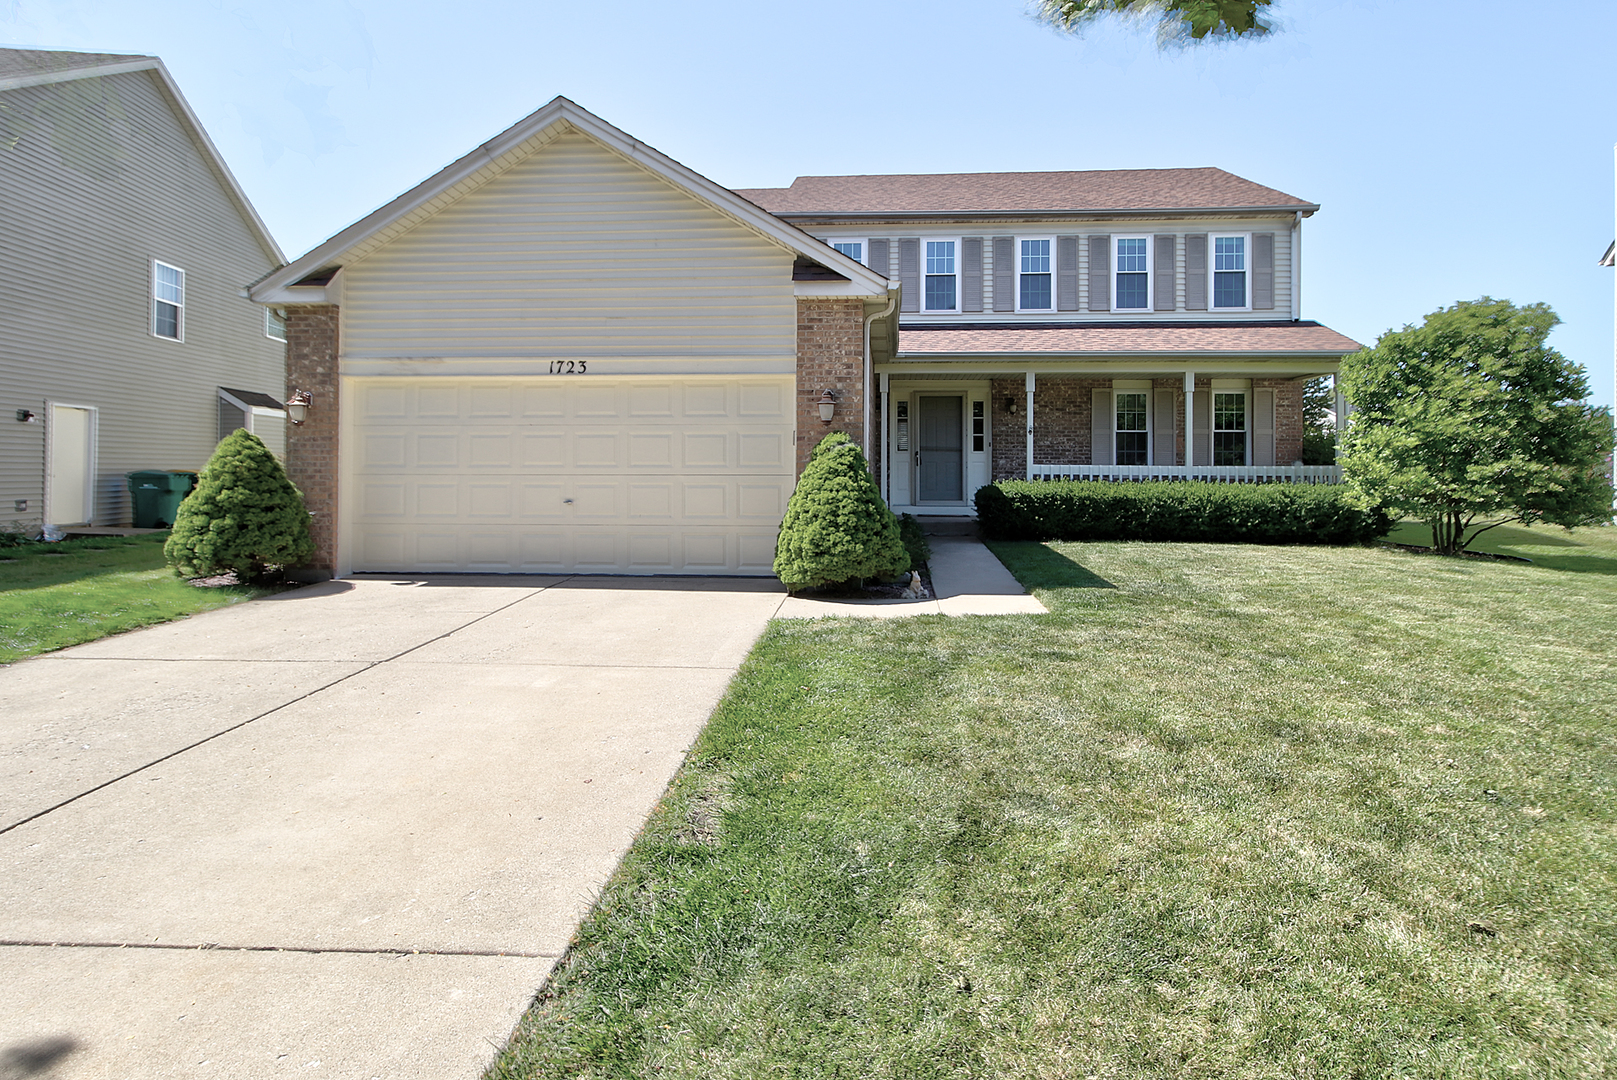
{"x":341,"y":832}
{"x":968,"y":580}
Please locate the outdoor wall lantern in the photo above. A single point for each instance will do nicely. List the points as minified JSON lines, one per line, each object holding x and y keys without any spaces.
{"x":297,"y":406}
{"x":1010,"y":405}
{"x":828,"y":405}
{"x":25,"y":416}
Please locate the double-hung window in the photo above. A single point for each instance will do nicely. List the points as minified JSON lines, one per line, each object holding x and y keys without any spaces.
{"x":1229,"y":427}
{"x":1229,"y":271}
{"x":1034,"y":292}
{"x":274,"y":325}
{"x":1132,"y":433}
{"x":853,"y":249}
{"x":941,"y":288}
{"x":1133,"y":290}
{"x":168,"y":301}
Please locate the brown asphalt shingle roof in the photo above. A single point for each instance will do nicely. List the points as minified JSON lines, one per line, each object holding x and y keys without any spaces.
{"x":15,"y":62}
{"x":1037,"y":192}
{"x":1289,"y":337}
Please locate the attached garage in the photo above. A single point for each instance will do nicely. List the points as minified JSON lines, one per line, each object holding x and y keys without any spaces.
{"x":568,"y":474}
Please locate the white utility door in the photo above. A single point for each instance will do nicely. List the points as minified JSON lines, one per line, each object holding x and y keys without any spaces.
{"x":567,"y":474}
{"x":72,"y":471}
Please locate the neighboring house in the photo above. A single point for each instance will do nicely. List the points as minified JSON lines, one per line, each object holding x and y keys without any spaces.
{"x":126,"y":339}
{"x":567,"y":352}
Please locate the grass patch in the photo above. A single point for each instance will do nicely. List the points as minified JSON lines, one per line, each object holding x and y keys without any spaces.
{"x":56,"y":595}
{"x":1590,"y":550}
{"x":1227,"y":811}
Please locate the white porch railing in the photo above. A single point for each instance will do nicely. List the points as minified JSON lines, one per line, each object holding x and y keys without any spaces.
{"x":1216,"y":474}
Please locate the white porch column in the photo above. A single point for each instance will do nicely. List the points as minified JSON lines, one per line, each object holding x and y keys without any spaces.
{"x":886,"y":442}
{"x":1342,"y":410}
{"x":1030,"y":425}
{"x":1190,"y":419}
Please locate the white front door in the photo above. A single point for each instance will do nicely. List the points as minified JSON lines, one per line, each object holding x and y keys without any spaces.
{"x":71,"y":493}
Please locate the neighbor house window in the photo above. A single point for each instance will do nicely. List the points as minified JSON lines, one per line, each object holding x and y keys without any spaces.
{"x":1133,"y":273}
{"x":1131,"y":427}
{"x":1035,"y":279}
{"x":1229,"y":272}
{"x":940,"y":289}
{"x":168,"y":301}
{"x":853,"y":249}
{"x":274,"y":324}
{"x":1229,"y":427}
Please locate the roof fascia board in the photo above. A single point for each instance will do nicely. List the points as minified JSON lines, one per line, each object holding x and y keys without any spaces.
{"x":900,"y":217}
{"x":563,"y":111}
{"x":41,"y":78}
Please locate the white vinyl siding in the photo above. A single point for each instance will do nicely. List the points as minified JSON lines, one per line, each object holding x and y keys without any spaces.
{"x":574,"y":252}
{"x":103,"y":178}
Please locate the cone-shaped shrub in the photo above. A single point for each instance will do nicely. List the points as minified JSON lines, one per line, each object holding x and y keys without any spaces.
{"x":837,"y":527}
{"x":244,"y":515}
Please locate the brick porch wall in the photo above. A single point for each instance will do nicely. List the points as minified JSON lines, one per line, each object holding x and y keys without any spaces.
{"x":312,"y":338}
{"x":830,"y":353}
{"x":1288,"y":417}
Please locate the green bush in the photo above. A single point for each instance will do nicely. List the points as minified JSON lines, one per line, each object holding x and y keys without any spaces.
{"x":837,"y":528}
{"x":914,"y":538}
{"x":1176,"y":510}
{"x":244,"y":515}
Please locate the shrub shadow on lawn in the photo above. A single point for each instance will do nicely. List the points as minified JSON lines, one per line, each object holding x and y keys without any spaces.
{"x":1039,"y":566}
{"x":1590,"y":550}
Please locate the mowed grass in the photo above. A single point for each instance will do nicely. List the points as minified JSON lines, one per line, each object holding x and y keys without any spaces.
{"x":56,"y":595}
{"x":1228,"y":811}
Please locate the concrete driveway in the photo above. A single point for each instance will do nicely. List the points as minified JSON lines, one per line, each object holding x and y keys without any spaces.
{"x":341,"y":832}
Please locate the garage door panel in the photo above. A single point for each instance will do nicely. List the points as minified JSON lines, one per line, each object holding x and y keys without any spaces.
{"x":570,"y":475}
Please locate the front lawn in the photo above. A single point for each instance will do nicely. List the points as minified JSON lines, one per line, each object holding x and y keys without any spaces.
{"x":1228,"y":811}
{"x":56,"y":595}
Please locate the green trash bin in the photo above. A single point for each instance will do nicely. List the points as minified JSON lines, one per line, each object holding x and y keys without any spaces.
{"x":157,"y":494}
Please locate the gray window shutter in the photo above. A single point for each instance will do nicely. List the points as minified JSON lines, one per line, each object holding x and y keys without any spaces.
{"x":1263,"y":427}
{"x":909,"y":274}
{"x":1163,"y":451}
{"x":878,"y":258}
{"x":971,"y":273}
{"x":1004,"y":273}
{"x":1196,"y":272}
{"x":1162,"y":273}
{"x":1263,"y":277}
{"x":1100,"y":274}
{"x":1101,"y":425}
{"x":1066,"y":273}
{"x":1204,"y":426}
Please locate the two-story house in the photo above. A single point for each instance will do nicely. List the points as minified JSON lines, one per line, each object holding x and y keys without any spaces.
{"x":126,"y":340}
{"x":1078,"y":324}
{"x":567,"y":352}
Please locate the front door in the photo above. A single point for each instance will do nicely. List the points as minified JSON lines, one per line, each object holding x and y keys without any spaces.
{"x":72,"y":481}
{"x":939,"y":456}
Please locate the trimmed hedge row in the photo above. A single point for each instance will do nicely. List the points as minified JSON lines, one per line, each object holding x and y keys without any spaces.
{"x":1175,"y":510}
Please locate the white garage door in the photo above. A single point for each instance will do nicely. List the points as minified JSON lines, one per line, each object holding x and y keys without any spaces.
{"x":562,"y":475}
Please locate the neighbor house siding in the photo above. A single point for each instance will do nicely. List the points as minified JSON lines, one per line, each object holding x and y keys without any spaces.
{"x":102,"y":179}
{"x":575,"y":252}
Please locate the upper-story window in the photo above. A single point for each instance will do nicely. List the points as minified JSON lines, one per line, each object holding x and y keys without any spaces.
{"x":1229,"y":271}
{"x":274,"y":324}
{"x":1133,"y":290}
{"x":1033,"y":292}
{"x":853,"y":249}
{"x":941,"y":288}
{"x":168,"y":301}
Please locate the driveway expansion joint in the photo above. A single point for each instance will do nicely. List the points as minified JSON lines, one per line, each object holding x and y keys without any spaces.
{"x":210,"y":946}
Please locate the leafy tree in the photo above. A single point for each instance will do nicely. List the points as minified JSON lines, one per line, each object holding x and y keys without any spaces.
{"x":1319,"y":433}
{"x":1469,"y":421}
{"x":244,"y":515}
{"x":837,"y":528}
{"x":1178,"y":21}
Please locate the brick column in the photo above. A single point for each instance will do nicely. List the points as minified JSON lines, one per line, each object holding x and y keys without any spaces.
{"x":830,"y":354}
{"x":312,"y":334}
{"x":1288,"y":417}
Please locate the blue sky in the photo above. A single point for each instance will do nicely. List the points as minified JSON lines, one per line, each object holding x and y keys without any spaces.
{"x":1457,"y":147}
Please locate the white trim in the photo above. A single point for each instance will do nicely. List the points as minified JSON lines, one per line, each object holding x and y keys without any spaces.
{"x":955,"y":258}
{"x":512,"y":145}
{"x":1212,"y":269}
{"x":1150,"y":268}
{"x":1016,"y":281}
{"x":179,"y":314}
{"x":864,"y":246}
{"x":269,"y":314}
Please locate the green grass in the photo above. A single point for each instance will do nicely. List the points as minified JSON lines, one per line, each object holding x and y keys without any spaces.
{"x":56,"y":595}
{"x":1227,"y":811}
{"x":1589,"y":550}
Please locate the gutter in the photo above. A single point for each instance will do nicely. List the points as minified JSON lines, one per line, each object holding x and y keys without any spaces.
{"x":899,"y":217}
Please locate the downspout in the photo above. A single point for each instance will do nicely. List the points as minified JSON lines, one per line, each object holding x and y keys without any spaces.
{"x":1297,"y":266}
{"x":892,"y":302}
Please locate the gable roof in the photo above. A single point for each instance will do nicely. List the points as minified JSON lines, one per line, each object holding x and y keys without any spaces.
{"x":513,"y":145}
{"x":1108,"y":191}
{"x":39,"y":67}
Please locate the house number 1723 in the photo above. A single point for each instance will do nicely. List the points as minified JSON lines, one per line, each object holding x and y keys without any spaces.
{"x":569,"y":367}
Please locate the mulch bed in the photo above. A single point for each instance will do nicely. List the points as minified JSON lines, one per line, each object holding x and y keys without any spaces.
{"x":872,"y":591}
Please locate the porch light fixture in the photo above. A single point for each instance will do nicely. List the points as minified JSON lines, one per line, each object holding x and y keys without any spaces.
{"x":25,"y":416}
{"x":1010,"y":405}
{"x":828,"y":406}
{"x":297,"y":406}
